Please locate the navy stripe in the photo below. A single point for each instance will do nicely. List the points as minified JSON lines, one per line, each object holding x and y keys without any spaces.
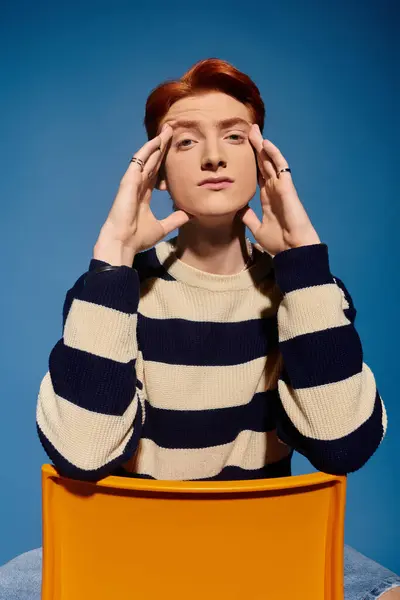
{"x":95,"y":383}
{"x":302,"y":267}
{"x":322,"y":357}
{"x":280,"y":468}
{"x":183,"y":342}
{"x":67,"y":469}
{"x":206,"y":428}
{"x":340,"y":456}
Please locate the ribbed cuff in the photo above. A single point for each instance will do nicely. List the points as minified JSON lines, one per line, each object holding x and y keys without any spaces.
{"x":118,"y":289}
{"x":302,"y":267}
{"x":94,"y":263}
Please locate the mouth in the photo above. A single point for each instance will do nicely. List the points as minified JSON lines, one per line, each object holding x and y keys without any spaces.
{"x":217,"y":186}
{"x":216,"y":183}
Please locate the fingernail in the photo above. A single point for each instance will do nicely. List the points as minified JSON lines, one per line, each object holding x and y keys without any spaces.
{"x":164,"y":127}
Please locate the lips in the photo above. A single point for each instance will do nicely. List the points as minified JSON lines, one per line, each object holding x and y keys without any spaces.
{"x":217,"y":186}
{"x":216,"y":180}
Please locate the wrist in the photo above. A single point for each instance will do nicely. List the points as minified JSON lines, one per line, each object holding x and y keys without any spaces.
{"x":114,"y":253}
{"x":308,"y":240}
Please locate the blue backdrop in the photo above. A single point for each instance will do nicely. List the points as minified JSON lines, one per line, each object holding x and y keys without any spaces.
{"x":75,"y":78}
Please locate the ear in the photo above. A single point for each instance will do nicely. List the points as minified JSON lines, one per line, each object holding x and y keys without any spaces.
{"x":161,"y":184}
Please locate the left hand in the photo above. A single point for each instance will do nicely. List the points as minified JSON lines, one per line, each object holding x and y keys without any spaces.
{"x":285,"y":223}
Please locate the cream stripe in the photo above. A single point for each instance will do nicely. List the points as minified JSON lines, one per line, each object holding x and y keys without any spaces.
{"x":248,"y":450}
{"x":184,"y":387}
{"x":101,"y":331}
{"x":159,"y":301}
{"x":311,"y":309}
{"x":345,"y":303}
{"x":384,"y":418}
{"x":330,"y":411}
{"x":86,"y":439}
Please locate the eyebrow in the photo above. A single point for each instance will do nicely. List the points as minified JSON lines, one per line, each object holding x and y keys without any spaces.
{"x":221,"y":124}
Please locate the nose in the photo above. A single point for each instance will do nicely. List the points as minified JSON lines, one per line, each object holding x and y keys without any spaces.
{"x":213,"y":157}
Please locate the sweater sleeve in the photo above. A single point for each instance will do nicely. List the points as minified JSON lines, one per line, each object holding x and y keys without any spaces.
{"x":90,"y":410}
{"x":329,"y":410}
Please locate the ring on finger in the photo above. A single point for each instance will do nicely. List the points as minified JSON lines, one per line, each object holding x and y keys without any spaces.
{"x":283,"y":171}
{"x":139,"y":161}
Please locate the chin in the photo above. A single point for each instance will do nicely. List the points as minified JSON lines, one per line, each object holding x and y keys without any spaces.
{"x":215,"y":214}
{"x":214,"y":207}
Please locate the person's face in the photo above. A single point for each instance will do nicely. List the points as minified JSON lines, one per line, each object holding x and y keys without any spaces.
{"x":209,"y":150}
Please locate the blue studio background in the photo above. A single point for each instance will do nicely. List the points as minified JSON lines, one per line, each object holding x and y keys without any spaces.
{"x":74,"y":81}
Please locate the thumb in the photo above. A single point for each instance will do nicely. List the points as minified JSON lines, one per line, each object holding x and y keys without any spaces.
{"x":250,"y":219}
{"x":174,"y":220}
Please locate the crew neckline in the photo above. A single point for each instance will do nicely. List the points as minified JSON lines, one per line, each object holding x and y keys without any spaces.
{"x":179,"y":270}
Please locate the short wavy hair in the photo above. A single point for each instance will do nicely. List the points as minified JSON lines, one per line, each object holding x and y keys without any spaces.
{"x":210,"y":74}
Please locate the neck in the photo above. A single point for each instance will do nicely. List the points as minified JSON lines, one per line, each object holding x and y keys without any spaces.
{"x":213,"y":246}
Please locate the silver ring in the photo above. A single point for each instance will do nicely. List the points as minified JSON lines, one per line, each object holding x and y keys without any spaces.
{"x":283,"y":170}
{"x":139,"y":161}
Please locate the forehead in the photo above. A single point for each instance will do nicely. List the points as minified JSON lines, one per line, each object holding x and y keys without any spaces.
{"x":207,"y":109}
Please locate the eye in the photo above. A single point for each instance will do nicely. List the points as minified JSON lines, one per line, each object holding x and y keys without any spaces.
{"x":181,"y":142}
{"x":238,"y":135}
{"x":241,"y":137}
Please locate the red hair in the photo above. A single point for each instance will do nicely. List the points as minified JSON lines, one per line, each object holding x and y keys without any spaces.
{"x":208,"y":75}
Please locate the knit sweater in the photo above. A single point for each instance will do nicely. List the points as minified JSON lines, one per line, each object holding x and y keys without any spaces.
{"x":168,"y":372}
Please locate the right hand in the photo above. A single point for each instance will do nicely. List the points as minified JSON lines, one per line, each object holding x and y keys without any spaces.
{"x":131,"y":226}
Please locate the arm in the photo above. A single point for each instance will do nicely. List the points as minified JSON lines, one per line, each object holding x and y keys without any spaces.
{"x":330,"y":409}
{"x":89,"y":411}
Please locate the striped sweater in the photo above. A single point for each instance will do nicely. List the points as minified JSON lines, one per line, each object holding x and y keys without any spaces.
{"x":168,"y":372}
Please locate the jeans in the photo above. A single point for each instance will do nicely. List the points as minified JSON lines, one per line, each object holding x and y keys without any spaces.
{"x":364,"y":579}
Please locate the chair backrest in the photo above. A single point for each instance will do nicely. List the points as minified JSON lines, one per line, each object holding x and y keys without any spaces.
{"x":122,"y":538}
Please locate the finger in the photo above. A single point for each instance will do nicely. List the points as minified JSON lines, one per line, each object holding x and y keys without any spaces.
{"x":154,"y":162}
{"x":260,"y":179}
{"x":264,"y":162}
{"x":144,"y":153}
{"x":275,"y":155}
{"x":265,"y":165}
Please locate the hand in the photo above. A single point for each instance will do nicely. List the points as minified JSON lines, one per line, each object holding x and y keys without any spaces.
{"x":131,"y":226}
{"x":285,"y":223}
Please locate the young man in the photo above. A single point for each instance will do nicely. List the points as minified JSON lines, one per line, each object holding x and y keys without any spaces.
{"x":207,"y":357}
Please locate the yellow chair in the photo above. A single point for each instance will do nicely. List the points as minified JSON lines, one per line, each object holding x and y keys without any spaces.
{"x":140,"y":539}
